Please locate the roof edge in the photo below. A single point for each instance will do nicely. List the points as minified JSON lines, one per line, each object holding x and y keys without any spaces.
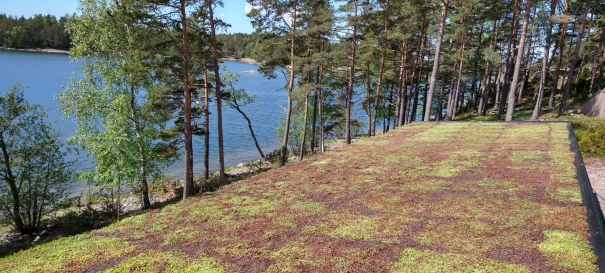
{"x":594,"y":216}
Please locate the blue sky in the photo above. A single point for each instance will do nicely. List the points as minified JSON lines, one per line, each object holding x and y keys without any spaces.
{"x":233,"y":13}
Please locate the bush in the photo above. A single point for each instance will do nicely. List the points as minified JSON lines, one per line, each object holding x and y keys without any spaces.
{"x":593,"y":142}
{"x":590,"y":134}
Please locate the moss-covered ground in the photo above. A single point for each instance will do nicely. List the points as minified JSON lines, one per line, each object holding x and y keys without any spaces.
{"x":428,"y":197}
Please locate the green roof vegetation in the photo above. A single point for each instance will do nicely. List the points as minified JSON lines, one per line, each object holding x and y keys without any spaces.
{"x":449,"y":197}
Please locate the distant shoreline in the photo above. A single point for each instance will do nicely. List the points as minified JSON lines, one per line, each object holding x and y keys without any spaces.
{"x":46,"y":50}
{"x":244,"y":60}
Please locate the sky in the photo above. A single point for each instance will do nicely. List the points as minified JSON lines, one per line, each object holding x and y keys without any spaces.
{"x":234,"y":12}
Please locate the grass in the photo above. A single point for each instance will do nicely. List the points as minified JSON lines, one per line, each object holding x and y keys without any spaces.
{"x":424,"y":198}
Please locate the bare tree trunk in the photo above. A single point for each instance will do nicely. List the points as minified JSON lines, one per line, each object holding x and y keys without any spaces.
{"x":188,"y":184}
{"x":513,"y":85}
{"x":260,"y":151}
{"x":536,"y":113}
{"x":572,"y":66}
{"x":429,"y":98}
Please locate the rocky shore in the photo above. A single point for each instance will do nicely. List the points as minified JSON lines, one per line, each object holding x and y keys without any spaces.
{"x":47,"y":50}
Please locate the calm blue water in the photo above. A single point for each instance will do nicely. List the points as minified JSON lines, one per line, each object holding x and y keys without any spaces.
{"x":45,"y":74}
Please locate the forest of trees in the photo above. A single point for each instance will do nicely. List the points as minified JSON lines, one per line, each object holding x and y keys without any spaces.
{"x":390,"y":57}
{"x":39,"y":31}
{"x":398,"y":60}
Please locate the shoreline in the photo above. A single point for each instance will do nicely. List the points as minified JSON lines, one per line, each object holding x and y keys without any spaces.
{"x":243,"y":60}
{"x":44,"y":50}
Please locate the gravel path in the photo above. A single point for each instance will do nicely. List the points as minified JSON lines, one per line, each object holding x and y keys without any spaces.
{"x":595,"y":167}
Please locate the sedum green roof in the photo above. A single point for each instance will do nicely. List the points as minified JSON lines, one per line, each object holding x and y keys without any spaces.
{"x":428,"y":197}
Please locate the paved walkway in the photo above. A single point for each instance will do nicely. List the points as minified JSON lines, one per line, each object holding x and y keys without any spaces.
{"x":595,"y":167}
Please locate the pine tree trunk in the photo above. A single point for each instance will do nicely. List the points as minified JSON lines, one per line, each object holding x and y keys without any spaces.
{"x":349,"y":96}
{"x":369,"y":99}
{"x":402,"y":84}
{"x":596,"y":66}
{"x":543,"y":74}
{"x":498,"y":89}
{"x":572,"y":66}
{"x":553,"y":90}
{"x":383,"y":55}
{"x":304,"y":132}
{"x":416,"y":75}
{"x":219,"y":99}
{"x":440,"y":105}
{"x":188,"y":177}
{"x":284,"y":147}
{"x":600,"y":78}
{"x":513,"y":85}
{"x":389,"y":109}
{"x":424,"y":94}
{"x":414,"y":89}
{"x":509,"y":62}
{"x":314,"y":121}
{"x":321,"y":114}
{"x":457,"y":94}
{"x":451,"y":110}
{"x":207,"y":124}
{"x":429,"y":98}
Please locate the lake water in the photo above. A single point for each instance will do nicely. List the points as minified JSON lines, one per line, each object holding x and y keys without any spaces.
{"x":45,"y":75}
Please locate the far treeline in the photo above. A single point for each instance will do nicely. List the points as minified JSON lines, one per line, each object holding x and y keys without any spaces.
{"x":151,"y":62}
{"x":39,"y":31}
